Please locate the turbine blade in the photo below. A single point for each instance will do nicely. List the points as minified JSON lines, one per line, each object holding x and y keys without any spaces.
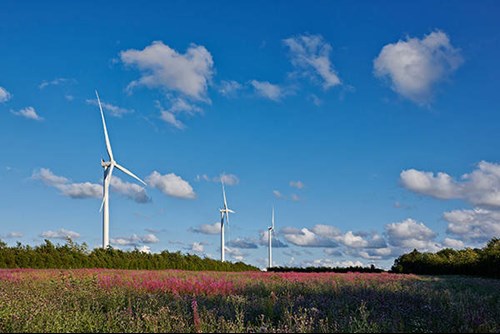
{"x":272,"y":221}
{"x":108,"y":144}
{"x":227,"y":217}
{"x":224,"y":194}
{"x":126,"y":171}
{"x":229,"y":210}
{"x":107,"y":180}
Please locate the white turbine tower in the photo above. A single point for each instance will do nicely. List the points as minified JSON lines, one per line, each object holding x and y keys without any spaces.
{"x":223,"y":212}
{"x":270,"y":231}
{"x":108,"y":170}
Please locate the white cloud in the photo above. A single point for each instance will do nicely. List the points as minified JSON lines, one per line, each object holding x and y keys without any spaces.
{"x":73,"y":190}
{"x":135,"y":240}
{"x":414,"y":66}
{"x":29,"y":113}
{"x":4,"y":95}
{"x":453,"y":243}
{"x":90,"y":190}
{"x":310,"y":55}
{"x":276,"y":242}
{"x":207,"y":228}
{"x":165,"y":68}
{"x":171,"y":185}
{"x":481,"y":187}
{"x":55,"y":82}
{"x":478,"y":224}
{"x":130,"y":190}
{"x":409,"y":234}
{"x":197,"y":247}
{"x":112,"y":109}
{"x":229,"y":88}
{"x":268,"y":90}
{"x":440,"y":186}
{"x":228,"y":179}
{"x":306,"y":238}
{"x":297,"y":184}
{"x":144,"y":249}
{"x":235,"y":253}
{"x":60,"y":234}
{"x":242,"y":243}
{"x":14,"y":235}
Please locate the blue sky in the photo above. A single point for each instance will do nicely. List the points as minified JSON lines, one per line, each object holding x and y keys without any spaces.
{"x":371,"y":128}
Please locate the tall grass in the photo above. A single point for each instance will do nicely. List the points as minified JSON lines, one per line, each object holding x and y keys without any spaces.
{"x":105,"y":300}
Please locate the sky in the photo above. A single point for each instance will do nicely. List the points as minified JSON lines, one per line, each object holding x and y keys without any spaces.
{"x":372,"y":128}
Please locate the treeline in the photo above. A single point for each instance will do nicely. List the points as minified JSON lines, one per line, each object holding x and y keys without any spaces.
{"x":72,"y":255}
{"x":468,"y":261}
{"x":358,"y":269}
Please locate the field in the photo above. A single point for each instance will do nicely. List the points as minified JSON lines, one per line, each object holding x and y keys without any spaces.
{"x":106,"y":300}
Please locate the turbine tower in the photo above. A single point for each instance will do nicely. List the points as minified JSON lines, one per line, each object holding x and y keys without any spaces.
{"x":108,"y":170}
{"x":270,"y":231}
{"x":224,"y":213}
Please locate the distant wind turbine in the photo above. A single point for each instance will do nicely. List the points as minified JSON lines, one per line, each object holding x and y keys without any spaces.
{"x":270,"y":231}
{"x":108,"y":170}
{"x":223,"y":212}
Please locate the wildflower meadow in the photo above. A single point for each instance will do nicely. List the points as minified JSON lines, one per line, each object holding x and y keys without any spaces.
{"x":111,"y":300}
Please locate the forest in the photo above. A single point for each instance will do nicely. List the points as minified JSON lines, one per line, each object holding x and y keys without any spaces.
{"x":468,"y":261}
{"x":72,"y":255}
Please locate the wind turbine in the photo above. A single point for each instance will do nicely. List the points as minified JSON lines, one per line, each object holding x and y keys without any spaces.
{"x":270,"y":231}
{"x":108,"y":170}
{"x":223,"y":212}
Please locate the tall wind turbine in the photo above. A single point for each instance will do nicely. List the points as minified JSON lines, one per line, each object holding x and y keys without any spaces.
{"x":223,"y":212}
{"x":108,"y":170}
{"x":270,"y":231}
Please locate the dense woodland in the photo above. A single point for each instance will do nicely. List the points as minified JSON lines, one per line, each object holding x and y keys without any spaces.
{"x":72,"y":255}
{"x":469,"y":261}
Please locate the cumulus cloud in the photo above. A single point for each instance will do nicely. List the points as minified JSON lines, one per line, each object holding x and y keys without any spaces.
{"x":207,"y":228}
{"x":29,"y":113}
{"x":235,"y":253}
{"x":73,"y":190}
{"x":60,"y":234}
{"x":268,"y":90}
{"x":135,"y":240}
{"x":132,"y":191}
{"x":276,"y":242}
{"x":163,"y":67}
{"x":478,"y":225}
{"x":90,"y":190}
{"x":310,"y":55}
{"x":453,"y":243}
{"x":481,"y":187}
{"x":306,"y":238}
{"x":415,"y":66}
{"x":410,"y":234}
{"x":4,"y":95}
{"x":112,"y":109}
{"x":171,"y":185}
{"x":242,"y":243}
{"x":197,"y":247}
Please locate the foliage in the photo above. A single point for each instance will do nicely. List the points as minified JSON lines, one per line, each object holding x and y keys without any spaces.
{"x":356,"y":269}
{"x":476,"y":262}
{"x":160,"y":301}
{"x":71,"y":255}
